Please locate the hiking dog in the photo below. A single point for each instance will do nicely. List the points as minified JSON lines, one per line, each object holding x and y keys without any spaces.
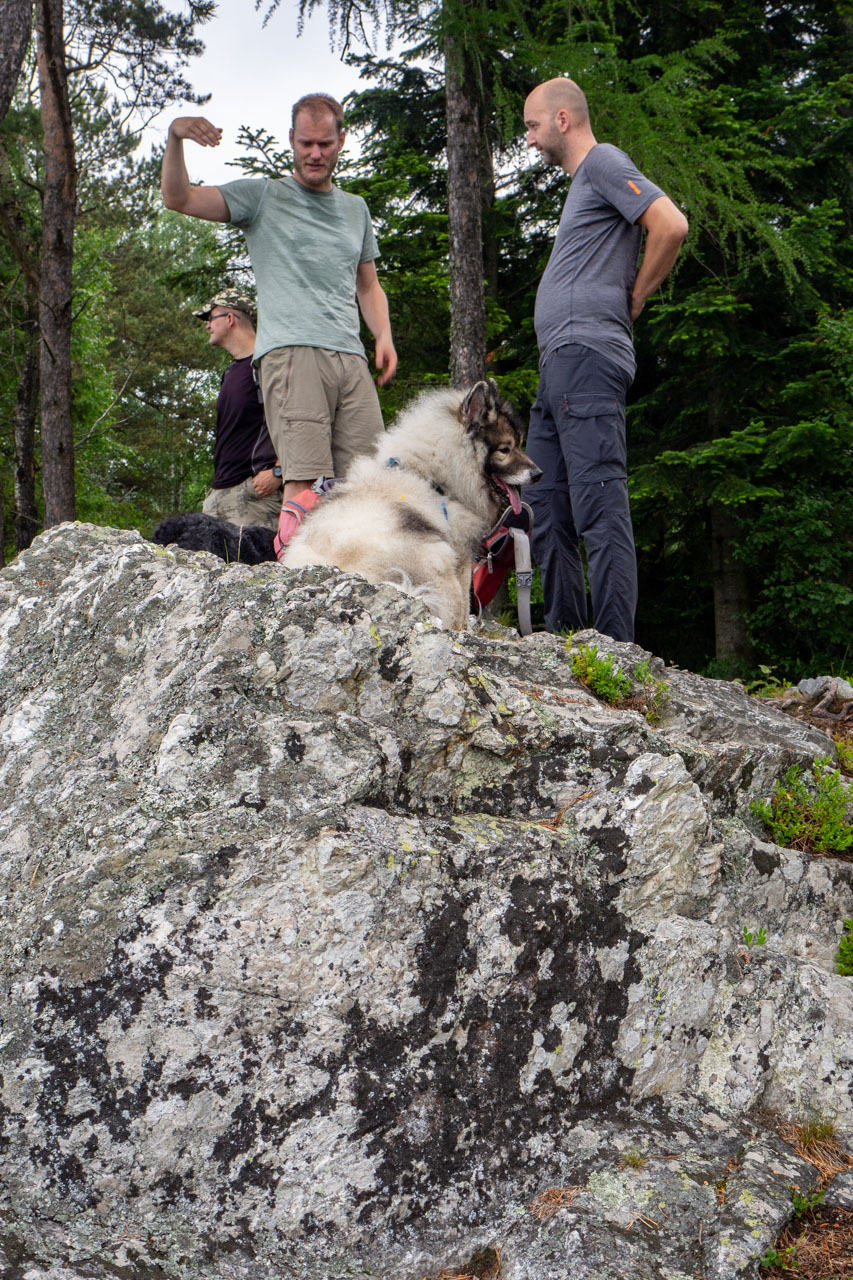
{"x":195,"y":531}
{"x":414,"y":513}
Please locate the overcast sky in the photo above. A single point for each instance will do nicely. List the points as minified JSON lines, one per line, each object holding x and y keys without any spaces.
{"x":255,"y":73}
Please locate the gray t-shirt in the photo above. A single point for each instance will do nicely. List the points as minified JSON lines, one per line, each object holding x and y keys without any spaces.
{"x":306,"y":247}
{"x":585,"y":292}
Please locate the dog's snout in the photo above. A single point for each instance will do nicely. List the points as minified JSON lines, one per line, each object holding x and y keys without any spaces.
{"x":535,"y":474}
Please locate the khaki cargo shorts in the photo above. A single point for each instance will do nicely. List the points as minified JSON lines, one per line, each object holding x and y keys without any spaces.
{"x":321,"y":408}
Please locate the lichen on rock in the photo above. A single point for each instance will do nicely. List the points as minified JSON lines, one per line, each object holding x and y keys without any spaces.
{"x":332,"y":939}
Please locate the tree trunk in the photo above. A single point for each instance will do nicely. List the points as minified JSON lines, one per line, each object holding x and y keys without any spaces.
{"x":731,"y":592}
{"x":58,"y":213}
{"x":16,"y":18}
{"x":26,"y":513}
{"x":14,"y":227}
{"x":487,"y":204}
{"x":465,"y":223}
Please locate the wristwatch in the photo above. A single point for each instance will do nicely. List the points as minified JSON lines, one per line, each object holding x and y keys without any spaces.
{"x":277,"y":471}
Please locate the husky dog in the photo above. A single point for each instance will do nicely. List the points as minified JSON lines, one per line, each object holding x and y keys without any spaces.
{"x":414,"y":513}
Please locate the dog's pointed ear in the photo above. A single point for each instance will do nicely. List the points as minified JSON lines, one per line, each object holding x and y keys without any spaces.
{"x":479,"y":402}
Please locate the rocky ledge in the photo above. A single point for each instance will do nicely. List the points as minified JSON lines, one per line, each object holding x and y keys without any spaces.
{"x":334,"y":943}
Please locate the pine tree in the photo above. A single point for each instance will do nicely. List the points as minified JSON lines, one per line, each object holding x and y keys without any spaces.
{"x":141,"y":48}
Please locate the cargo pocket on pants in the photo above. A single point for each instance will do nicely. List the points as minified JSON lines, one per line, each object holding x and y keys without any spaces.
{"x":592,"y":432}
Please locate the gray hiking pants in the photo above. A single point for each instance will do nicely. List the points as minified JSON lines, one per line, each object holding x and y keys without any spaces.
{"x":577,"y":437}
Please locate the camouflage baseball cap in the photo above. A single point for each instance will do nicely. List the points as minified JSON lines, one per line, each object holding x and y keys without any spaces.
{"x":230,"y":301}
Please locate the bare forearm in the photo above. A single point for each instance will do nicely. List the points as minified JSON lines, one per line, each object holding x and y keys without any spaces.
{"x":177,"y":190}
{"x":174,"y":180}
{"x":666,"y":230}
{"x":658,"y":260}
{"x":373,"y":305}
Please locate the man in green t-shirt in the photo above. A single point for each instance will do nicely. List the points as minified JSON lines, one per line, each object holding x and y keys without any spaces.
{"x":313,"y":252}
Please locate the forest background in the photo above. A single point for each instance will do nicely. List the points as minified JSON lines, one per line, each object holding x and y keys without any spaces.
{"x":740,"y":426}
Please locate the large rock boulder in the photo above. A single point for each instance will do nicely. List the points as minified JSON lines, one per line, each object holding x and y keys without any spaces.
{"x":334,"y":943}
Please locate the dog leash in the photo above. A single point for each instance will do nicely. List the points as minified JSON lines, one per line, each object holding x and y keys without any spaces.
{"x":522,"y":562}
{"x":523,"y":578}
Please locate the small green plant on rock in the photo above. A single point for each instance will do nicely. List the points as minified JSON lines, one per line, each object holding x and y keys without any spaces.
{"x":655,"y":692}
{"x":600,"y":674}
{"x":844,"y":954}
{"x":758,"y":938}
{"x":802,"y":1203}
{"x":810,"y":816}
{"x":845,"y":755}
{"x":632,"y":1158}
{"x":784,"y":1259}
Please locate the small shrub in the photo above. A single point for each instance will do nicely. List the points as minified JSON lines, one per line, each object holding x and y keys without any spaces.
{"x":808,"y":817}
{"x":600,"y":674}
{"x":759,"y":937}
{"x":844,"y":954}
{"x":845,"y":755}
{"x":655,"y":692}
{"x":784,"y":1259}
{"x":802,"y":1203}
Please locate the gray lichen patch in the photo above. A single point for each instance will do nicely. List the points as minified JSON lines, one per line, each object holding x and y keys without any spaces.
{"x":331,"y":939}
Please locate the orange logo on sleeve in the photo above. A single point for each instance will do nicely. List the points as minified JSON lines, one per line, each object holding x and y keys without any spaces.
{"x":634,"y":187}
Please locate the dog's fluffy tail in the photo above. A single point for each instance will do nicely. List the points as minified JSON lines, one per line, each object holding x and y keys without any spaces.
{"x":429,"y":594}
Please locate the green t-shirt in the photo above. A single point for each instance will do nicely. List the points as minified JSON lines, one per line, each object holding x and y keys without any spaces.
{"x":306,"y":247}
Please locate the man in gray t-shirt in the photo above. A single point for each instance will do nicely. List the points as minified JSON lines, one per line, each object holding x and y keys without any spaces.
{"x":590,"y":294}
{"x":313,"y":252}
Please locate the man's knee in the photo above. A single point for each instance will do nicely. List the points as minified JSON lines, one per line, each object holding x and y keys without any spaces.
{"x":358,"y":424}
{"x":602,"y":510}
{"x":298,"y":414}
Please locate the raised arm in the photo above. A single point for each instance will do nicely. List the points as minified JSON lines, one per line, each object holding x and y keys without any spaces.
{"x":177,"y":190}
{"x":374,"y":307}
{"x":666,"y":230}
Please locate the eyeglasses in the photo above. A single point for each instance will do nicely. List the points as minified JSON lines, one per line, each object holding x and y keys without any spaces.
{"x":218,"y":316}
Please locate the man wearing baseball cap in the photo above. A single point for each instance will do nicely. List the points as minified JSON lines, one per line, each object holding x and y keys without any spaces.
{"x":246,"y":486}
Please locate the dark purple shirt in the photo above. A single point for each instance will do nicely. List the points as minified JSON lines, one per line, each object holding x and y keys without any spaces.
{"x":243,"y":446}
